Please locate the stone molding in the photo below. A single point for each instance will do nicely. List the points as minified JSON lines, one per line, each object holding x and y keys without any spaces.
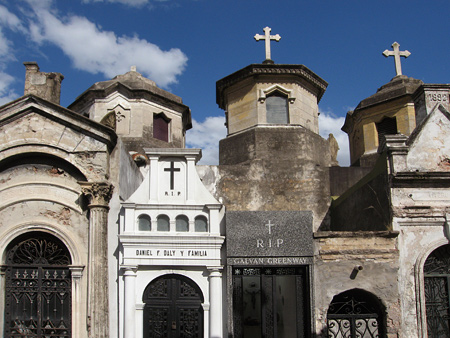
{"x":255,"y":70}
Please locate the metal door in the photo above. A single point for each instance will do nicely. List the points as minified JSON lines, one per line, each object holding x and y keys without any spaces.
{"x":38,"y":288}
{"x":173,"y":308}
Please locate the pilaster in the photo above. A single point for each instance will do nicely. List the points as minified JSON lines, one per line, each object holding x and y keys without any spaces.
{"x":215,"y":301}
{"x":129,"y":277}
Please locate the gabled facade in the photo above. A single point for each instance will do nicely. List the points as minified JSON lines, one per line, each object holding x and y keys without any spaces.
{"x":171,"y":237}
{"x":54,"y":196}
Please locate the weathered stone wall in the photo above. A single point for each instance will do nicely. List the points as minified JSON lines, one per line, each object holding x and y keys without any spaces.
{"x":44,"y":85}
{"x":40,"y":194}
{"x":347,"y":261}
{"x":284,"y":168}
{"x":342,"y":178}
{"x":366,"y":205}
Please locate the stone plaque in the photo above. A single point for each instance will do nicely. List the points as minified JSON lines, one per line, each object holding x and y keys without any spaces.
{"x":269,"y":233}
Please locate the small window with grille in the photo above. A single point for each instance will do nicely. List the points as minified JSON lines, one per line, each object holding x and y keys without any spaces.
{"x":387,"y":126}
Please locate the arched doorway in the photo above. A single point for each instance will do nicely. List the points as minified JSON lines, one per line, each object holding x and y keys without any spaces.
{"x":355,"y":313}
{"x":437,"y":291}
{"x":173,"y":308}
{"x":37,"y":287}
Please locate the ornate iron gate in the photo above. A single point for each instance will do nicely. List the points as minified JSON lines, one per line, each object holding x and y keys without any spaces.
{"x":437,"y":278}
{"x":355,"y":314}
{"x":38,"y":288}
{"x":173,"y":308}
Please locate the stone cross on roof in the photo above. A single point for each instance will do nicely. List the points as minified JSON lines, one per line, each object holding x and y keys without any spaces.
{"x":396,"y":53}
{"x":267,"y":37}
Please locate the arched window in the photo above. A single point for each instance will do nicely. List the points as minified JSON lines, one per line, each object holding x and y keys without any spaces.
{"x":182,"y":223}
{"x":355,"y":313}
{"x":144,"y":223}
{"x":201,"y":224}
{"x":161,"y":127}
{"x":436,"y":279}
{"x":38,"y":297}
{"x":277,"y":111}
{"x":163,"y":223}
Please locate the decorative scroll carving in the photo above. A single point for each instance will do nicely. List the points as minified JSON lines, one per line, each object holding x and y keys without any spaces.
{"x":99,"y":193}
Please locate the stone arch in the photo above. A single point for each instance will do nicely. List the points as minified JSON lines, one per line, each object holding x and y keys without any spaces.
{"x":53,"y":230}
{"x":8,"y":156}
{"x":356,"y":312}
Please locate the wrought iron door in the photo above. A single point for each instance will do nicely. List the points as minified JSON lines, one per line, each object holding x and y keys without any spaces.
{"x":173,"y":308}
{"x":355,"y":314}
{"x":437,"y":292}
{"x":38,"y":288}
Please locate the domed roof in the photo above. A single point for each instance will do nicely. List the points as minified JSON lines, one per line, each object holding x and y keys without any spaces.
{"x":133,"y":81}
{"x":399,"y":86}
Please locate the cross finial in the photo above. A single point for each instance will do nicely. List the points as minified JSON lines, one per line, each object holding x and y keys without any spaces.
{"x":396,"y":53}
{"x":267,"y":37}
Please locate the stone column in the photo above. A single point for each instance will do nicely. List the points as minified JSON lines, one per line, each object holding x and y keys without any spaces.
{"x":129,"y":323}
{"x":215,"y":301}
{"x":99,"y":194}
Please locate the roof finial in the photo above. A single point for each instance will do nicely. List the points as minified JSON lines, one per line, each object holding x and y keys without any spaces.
{"x":267,"y":37}
{"x":396,"y":53}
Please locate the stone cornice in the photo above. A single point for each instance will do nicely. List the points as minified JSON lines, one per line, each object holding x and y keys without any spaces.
{"x":421,"y":179}
{"x":300,"y":71}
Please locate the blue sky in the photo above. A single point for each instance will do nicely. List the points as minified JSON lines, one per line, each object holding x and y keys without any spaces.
{"x":187,"y":45}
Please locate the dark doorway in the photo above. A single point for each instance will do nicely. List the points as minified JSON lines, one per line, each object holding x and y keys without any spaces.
{"x":270,"y":302}
{"x":38,"y":287}
{"x":173,"y":308}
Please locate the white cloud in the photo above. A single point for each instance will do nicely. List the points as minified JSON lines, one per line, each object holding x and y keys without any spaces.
{"x":11,"y":21}
{"x":328,"y":123}
{"x":206,"y":135}
{"x":96,"y":51}
{"x":7,"y":21}
{"x":6,"y":94}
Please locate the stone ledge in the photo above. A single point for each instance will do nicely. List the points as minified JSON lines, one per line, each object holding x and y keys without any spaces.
{"x":357,"y":234}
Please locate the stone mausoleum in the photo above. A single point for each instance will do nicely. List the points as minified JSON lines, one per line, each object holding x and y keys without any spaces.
{"x":110,"y":228}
